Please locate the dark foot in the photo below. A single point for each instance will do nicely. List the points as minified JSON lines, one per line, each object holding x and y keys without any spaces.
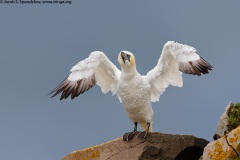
{"x":142,"y":134}
{"x":128,"y":136}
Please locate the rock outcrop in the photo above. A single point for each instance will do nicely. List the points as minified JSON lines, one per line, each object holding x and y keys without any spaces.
{"x":222,"y":126}
{"x":156,"y":146}
{"x":229,"y":120}
{"x":226,"y":147}
{"x":227,"y":138}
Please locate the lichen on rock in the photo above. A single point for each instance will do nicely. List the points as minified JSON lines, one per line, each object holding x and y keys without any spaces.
{"x":229,"y":120}
{"x":227,"y":147}
{"x":227,"y":138}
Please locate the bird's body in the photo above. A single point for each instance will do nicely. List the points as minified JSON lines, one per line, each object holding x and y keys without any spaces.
{"x":136,"y":92}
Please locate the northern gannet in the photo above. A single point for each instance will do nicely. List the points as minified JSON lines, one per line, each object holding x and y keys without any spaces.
{"x":136,"y":92}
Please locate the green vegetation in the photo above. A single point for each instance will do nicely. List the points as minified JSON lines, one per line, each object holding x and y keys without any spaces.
{"x":234,"y":116}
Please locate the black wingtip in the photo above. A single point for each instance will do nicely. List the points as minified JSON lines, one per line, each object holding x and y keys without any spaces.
{"x":50,"y":93}
{"x":57,"y":89}
{"x":73,"y":88}
{"x":197,"y":67}
{"x":210,"y":67}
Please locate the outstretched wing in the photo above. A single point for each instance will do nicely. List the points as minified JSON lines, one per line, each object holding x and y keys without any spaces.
{"x":175,"y":59}
{"x":96,"y":69}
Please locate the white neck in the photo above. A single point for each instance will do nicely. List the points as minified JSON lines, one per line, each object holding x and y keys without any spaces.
{"x":129,"y":70}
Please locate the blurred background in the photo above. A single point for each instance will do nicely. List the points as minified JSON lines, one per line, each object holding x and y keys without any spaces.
{"x":39,"y":43}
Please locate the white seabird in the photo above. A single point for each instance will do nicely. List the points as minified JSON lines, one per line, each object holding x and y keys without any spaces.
{"x":136,"y":92}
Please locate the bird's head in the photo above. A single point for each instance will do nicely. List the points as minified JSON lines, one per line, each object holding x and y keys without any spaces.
{"x":126,"y":59}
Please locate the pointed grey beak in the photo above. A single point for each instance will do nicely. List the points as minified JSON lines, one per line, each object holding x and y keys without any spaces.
{"x":125,"y":57}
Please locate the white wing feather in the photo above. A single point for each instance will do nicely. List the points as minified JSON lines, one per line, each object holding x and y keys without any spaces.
{"x":97,"y":68}
{"x":175,"y":59}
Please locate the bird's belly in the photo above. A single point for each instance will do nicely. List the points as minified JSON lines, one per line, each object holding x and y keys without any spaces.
{"x":141,"y":113}
{"x":133,"y":95}
{"x":136,"y":99}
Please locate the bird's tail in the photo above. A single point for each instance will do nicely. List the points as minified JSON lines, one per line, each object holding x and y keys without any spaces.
{"x":144,"y":126}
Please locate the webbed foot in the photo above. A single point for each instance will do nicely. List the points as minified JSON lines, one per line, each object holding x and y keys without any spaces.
{"x":143,"y":134}
{"x":128,"y":136}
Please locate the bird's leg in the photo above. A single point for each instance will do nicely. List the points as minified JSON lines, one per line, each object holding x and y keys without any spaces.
{"x":135,"y":127}
{"x":143,"y":134}
{"x":129,"y":136}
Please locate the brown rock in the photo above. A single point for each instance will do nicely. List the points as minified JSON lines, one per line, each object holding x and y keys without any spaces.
{"x":155,"y":147}
{"x":226,"y":147}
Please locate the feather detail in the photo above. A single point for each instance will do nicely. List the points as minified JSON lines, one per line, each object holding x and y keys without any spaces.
{"x":96,"y":69}
{"x":175,"y":59}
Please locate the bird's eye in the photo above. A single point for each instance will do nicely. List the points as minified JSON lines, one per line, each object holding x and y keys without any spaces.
{"x":128,"y":56}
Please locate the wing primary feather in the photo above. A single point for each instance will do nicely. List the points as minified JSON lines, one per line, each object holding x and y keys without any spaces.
{"x":84,"y":85}
{"x":198,"y":68}
{"x":207,"y":64}
{"x":65,"y":91}
{"x":71,"y":89}
{"x":55,"y":89}
{"x":60,"y":90}
{"x":74,"y":88}
{"x":195,"y":67}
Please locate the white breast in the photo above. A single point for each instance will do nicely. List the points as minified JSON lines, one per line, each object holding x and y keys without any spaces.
{"x":135,"y":94}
